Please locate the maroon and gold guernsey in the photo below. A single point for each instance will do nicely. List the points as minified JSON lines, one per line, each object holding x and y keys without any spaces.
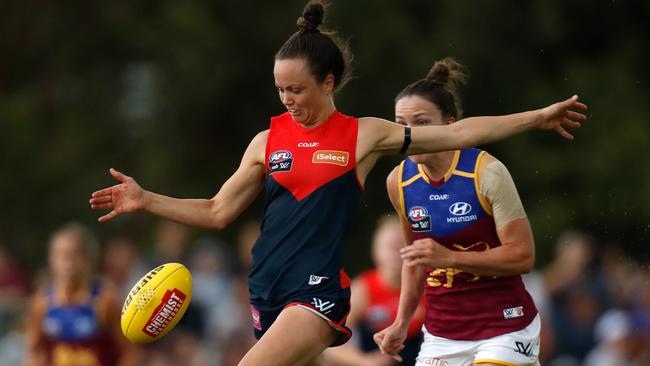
{"x":73,"y":334}
{"x":461,"y":305}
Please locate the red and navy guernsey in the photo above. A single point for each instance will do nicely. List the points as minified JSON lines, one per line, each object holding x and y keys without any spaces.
{"x":312,"y":193}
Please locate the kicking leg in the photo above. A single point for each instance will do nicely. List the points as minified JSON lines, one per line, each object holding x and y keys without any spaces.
{"x":297,"y":337}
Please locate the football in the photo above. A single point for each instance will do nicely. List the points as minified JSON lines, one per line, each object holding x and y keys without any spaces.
{"x":156,"y":303}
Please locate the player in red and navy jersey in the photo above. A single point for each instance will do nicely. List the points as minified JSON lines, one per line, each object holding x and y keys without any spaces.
{"x":471,"y":241}
{"x":312,"y":164}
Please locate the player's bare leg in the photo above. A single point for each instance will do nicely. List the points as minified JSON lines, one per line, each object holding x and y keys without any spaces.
{"x":318,"y":361}
{"x":296,"y":338}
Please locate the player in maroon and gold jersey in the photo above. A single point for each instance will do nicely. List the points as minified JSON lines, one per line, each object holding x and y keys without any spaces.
{"x":74,"y":320}
{"x":470,"y":238}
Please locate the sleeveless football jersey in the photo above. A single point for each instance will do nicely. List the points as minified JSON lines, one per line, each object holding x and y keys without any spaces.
{"x":461,"y":305}
{"x":383,"y":302}
{"x":73,"y":335}
{"x":312,"y":193}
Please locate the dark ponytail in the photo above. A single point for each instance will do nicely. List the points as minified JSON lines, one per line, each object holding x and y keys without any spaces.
{"x":323,"y":51}
{"x":440,"y":87}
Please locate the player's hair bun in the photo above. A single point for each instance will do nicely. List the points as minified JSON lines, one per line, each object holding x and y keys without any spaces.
{"x":439,"y":73}
{"x":448,"y":73}
{"x":440,"y":87}
{"x":312,"y":16}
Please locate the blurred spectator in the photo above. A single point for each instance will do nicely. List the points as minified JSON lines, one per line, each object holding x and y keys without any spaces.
{"x":574,"y":293}
{"x":594,"y":302}
{"x":14,"y":287}
{"x":640,"y":300}
{"x":242,"y":338}
{"x":575,"y":313}
{"x":618,"y":342}
{"x":14,"y":282}
{"x":621,"y":276}
{"x":122,"y":264}
{"x":179,"y":347}
{"x":245,"y":240}
{"x":12,"y":344}
{"x":573,"y":254}
{"x":553,"y":289}
{"x":374,"y":304}
{"x":171,"y":242}
{"x":214,"y":291}
{"x":74,"y":317}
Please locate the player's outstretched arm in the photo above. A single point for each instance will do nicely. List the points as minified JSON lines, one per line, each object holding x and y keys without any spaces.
{"x":383,"y":136}
{"x":234,"y":196}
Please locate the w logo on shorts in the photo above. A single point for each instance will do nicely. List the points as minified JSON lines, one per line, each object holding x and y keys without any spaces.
{"x":524,"y":349}
{"x":324,"y":307}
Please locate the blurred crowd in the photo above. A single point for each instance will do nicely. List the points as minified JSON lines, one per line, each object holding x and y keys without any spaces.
{"x":594,"y":301}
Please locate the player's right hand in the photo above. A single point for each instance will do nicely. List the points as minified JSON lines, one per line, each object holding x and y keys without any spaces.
{"x":127,"y":196}
{"x":391,"y":341}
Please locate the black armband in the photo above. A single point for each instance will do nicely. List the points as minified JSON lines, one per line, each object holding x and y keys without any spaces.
{"x":407,"y":140}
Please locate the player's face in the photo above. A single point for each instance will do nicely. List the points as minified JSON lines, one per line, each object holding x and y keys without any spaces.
{"x":387,"y":244}
{"x":414,"y":111}
{"x":67,"y":261}
{"x":305,"y":98}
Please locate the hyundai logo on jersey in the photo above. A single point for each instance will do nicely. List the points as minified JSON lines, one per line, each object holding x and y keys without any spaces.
{"x":420,"y":219}
{"x":460,"y":208}
{"x":280,"y":161}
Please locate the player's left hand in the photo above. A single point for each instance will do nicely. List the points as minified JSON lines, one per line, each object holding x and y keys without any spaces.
{"x":427,"y":252}
{"x":562,"y":115}
{"x":391,"y":341}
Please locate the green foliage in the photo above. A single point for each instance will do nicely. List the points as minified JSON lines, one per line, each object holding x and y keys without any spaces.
{"x":172,"y":91}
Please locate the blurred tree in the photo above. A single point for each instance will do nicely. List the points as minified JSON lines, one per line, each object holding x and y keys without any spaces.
{"x":171,"y":92}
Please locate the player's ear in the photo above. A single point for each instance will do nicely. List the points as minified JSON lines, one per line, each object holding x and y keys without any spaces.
{"x":329,"y":83}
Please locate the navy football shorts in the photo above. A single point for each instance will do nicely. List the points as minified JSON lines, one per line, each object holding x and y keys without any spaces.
{"x":332,"y":306}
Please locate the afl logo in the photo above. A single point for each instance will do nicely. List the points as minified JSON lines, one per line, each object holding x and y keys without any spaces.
{"x":420,"y":219}
{"x":280,"y":161}
{"x":279,"y":156}
{"x":460,"y":208}
{"x":418,"y":213}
